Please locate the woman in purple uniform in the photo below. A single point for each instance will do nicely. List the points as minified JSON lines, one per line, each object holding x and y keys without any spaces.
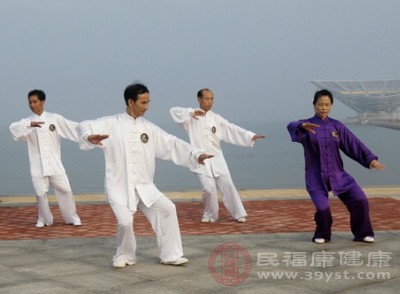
{"x":322,"y":137}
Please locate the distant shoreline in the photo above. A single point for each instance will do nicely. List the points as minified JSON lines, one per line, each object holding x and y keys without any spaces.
{"x":195,"y":195}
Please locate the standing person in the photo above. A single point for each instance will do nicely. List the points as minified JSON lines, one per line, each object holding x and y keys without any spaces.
{"x":206,"y":130}
{"x":130,"y":144}
{"x":322,"y":138}
{"x":42,"y":132}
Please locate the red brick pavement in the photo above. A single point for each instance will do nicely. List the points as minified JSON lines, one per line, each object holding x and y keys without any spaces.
{"x":265,"y":216}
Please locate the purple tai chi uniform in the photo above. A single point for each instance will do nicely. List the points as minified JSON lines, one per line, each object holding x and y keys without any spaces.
{"x":324,"y":173}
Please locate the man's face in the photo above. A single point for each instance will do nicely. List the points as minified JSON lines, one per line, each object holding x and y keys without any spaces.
{"x":139,"y":107}
{"x":36,"y":105}
{"x":206,"y":101}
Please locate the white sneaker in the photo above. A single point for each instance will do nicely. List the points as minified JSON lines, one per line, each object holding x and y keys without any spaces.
{"x":120,"y":263}
{"x":179,"y":261}
{"x":77,"y":223}
{"x":207,"y":220}
{"x":319,"y":240}
{"x":40,"y":224}
{"x":369,"y":239}
{"x":241,"y":220}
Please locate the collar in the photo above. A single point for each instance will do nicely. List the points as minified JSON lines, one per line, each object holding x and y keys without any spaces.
{"x":127,"y":116}
{"x":316,"y":118}
{"x":42,"y":116}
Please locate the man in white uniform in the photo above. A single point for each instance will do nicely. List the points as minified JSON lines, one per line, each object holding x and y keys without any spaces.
{"x":206,"y":130}
{"x":42,"y":132}
{"x":130,"y":144}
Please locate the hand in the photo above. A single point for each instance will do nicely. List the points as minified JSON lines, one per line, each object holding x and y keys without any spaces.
{"x":203,"y":157}
{"x":197,"y":113}
{"x":309,"y":127}
{"x":377,"y":165}
{"x":37,"y":124}
{"x":256,"y":137}
{"x":96,"y":139}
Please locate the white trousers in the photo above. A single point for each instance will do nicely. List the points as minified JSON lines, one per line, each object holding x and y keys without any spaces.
{"x":64,"y":195}
{"x":164,"y":221}
{"x":229,"y":194}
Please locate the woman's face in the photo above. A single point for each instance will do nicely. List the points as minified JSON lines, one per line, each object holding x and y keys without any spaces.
{"x":323,"y":106}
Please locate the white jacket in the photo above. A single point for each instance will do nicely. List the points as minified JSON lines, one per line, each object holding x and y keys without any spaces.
{"x":130,"y":152}
{"x":44,"y":143}
{"x":206,"y":132}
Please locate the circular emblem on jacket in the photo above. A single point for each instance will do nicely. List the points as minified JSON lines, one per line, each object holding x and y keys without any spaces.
{"x":144,"y":138}
{"x":52,"y":127}
{"x":214,"y":130}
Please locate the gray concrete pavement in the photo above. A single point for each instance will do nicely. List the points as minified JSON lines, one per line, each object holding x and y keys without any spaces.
{"x":280,"y":263}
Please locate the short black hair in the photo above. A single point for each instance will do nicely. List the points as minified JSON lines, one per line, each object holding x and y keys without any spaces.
{"x":39,"y":93}
{"x":134,"y":90}
{"x":321,"y":93}
{"x":200,"y":92}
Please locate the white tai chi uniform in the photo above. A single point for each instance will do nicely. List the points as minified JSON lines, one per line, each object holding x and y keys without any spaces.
{"x":45,"y":162}
{"x":206,"y":132}
{"x":130,"y":152}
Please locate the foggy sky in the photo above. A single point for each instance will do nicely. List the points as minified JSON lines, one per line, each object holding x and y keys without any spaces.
{"x":258,"y":56}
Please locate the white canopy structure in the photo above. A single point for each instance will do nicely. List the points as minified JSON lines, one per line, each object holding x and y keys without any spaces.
{"x":376,"y":102}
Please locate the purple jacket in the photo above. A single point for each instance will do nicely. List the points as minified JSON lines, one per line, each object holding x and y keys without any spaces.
{"x":324,"y":165}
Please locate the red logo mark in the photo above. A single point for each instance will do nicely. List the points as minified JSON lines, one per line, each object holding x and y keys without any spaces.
{"x":229,"y":264}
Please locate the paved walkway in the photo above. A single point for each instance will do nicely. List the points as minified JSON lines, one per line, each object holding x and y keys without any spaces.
{"x":271,"y":253}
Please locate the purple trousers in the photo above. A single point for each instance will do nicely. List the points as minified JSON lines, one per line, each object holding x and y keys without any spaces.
{"x":356,"y":203}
